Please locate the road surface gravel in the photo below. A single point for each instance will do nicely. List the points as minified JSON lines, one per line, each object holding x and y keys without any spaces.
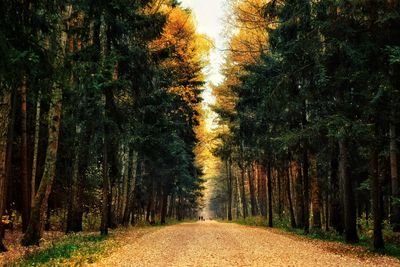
{"x":212,"y":243}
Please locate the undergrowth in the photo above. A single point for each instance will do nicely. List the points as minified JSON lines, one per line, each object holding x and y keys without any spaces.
{"x":76,"y":249}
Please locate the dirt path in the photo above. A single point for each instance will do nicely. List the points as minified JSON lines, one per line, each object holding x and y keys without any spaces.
{"x":221,"y":244}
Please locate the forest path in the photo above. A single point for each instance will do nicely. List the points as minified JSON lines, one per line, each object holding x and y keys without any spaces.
{"x":224,"y":244}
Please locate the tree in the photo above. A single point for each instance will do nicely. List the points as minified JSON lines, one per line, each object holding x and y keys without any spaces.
{"x":5,"y":109}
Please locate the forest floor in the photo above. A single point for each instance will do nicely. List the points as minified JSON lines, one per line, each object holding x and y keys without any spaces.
{"x":212,"y":243}
{"x":208,"y":243}
{"x":15,"y":251}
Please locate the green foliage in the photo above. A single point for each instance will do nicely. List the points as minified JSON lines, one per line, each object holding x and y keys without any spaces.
{"x":394,"y":55}
{"x":80,"y":248}
{"x":252,"y":221}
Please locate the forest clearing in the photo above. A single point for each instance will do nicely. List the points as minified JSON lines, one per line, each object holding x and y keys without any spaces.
{"x":122,"y":119}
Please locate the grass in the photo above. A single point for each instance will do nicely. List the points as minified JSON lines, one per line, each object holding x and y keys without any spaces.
{"x":76,"y":249}
{"x":173,"y":221}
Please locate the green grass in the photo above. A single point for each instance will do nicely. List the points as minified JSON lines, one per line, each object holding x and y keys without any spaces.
{"x":77,"y":249}
{"x":250,"y":221}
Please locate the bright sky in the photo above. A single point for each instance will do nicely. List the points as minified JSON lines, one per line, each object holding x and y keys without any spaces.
{"x":209,"y":17}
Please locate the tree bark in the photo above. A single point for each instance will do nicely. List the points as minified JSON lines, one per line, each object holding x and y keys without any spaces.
{"x":238,"y":196}
{"x":336,"y":216}
{"x":376,"y":197}
{"x":229,"y":188}
{"x":315,"y":194}
{"x":350,"y":220}
{"x":105,"y":192}
{"x":35,"y":148}
{"x":34,"y":230}
{"x":26,"y":200}
{"x":164,"y":204}
{"x":130,"y":198}
{"x":263,"y":188}
{"x":125,"y":182}
{"x":279,"y":186}
{"x":306,"y":189}
{"x":289,"y":193}
{"x":299,"y":197}
{"x":243,"y":191}
{"x":269,"y":188}
{"x":395,"y":211}
{"x":253,"y":200}
{"x":5,"y":108}
{"x":74,"y":217}
{"x":150,"y":203}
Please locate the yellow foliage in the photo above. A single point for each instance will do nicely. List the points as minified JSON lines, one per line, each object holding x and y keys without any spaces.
{"x":248,"y":41}
{"x":180,"y":34}
{"x":250,"y":38}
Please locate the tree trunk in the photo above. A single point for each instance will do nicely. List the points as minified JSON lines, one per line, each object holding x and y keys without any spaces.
{"x":350,"y":220}
{"x":327,"y":217}
{"x":73,"y":204}
{"x":289,"y":193}
{"x":171,"y":205}
{"x":130,"y":198}
{"x":45,"y":211}
{"x":106,"y":219}
{"x":336,"y":216}
{"x":243,"y":190}
{"x":35,"y":148}
{"x":125,"y":182}
{"x":74,"y":217}
{"x":26,"y":201}
{"x":5,"y":108}
{"x":105,"y":192}
{"x":376,"y":198}
{"x":296,"y":170}
{"x":263,"y":188}
{"x":229,"y":188}
{"x":150,"y":203}
{"x":153,"y":205}
{"x":179,"y":208}
{"x":315,"y":194}
{"x":306,"y":189}
{"x":395,"y":211}
{"x":238,"y":196}
{"x":253,"y":200}
{"x":34,"y":230}
{"x":269,"y":185}
{"x":279,"y":197}
{"x":164,"y":204}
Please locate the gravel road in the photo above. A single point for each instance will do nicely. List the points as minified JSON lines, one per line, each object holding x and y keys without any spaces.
{"x":223,"y":244}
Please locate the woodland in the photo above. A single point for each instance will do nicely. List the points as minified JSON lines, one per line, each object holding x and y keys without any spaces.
{"x":99,"y":108}
{"x":308,"y":117}
{"x":103,"y":125}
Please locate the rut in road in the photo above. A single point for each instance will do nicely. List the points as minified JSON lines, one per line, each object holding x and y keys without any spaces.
{"x":224,"y":244}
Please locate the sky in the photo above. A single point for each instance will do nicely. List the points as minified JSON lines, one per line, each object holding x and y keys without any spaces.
{"x":209,"y":15}
{"x":209,"y":19}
